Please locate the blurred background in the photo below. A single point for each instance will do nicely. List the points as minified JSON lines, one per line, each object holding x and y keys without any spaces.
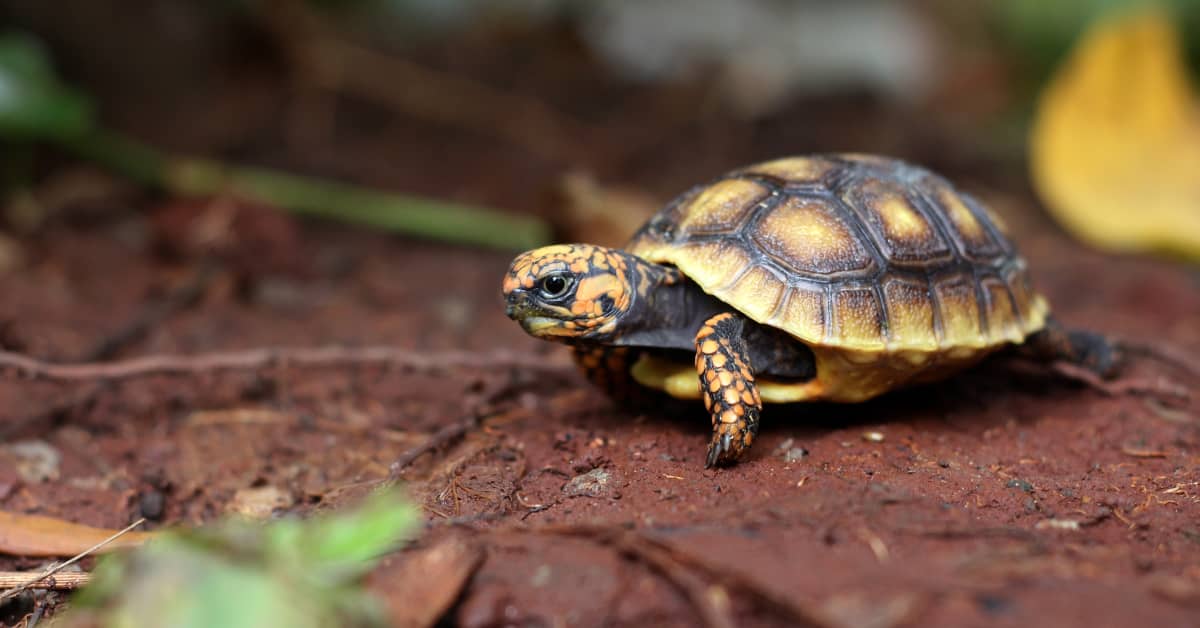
{"x":196,"y":176}
{"x":574,"y":119}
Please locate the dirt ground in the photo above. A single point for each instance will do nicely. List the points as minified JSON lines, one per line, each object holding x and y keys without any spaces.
{"x":996,"y":498}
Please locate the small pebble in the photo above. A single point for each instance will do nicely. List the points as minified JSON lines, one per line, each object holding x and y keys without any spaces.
{"x":1021,"y":484}
{"x":873,"y":437}
{"x":594,"y":483}
{"x":35,"y":460}
{"x":259,"y":503}
{"x":151,"y":504}
{"x":794,"y":454}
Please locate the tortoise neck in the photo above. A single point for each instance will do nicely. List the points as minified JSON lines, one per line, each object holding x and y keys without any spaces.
{"x":667,"y":309}
{"x":657,"y":290}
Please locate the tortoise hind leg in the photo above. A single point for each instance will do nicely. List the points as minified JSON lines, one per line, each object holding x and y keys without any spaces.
{"x":1087,"y":349}
{"x":727,"y":386}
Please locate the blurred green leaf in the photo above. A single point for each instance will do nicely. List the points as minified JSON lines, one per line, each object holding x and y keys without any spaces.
{"x":302,"y":574}
{"x":34,"y":104}
{"x":352,"y":541}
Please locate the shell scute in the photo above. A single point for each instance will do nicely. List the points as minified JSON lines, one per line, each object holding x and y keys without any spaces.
{"x":810,"y":237}
{"x":911,"y":321}
{"x":793,"y":170}
{"x":720,"y":207}
{"x":860,"y":315}
{"x":898,"y":225}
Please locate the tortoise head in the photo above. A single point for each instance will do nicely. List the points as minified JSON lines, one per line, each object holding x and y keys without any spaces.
{"x":570,"y":291}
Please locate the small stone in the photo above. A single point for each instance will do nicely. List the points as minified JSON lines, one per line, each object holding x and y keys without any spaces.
{"x":541,"y":576}
{"x":594,"y":483}
{"x":873,"y":437}
{"x":259,"y":503}
{"x":1069,"y":525}
{"x":1021,"y":484}
{"x":795,"y":454}
{"x":36,"y":460}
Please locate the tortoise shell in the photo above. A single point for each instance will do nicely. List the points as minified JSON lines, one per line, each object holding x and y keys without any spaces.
{"x":860,"y":255}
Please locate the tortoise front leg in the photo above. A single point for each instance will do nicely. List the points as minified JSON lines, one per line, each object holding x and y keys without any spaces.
{"x":727,"y":386}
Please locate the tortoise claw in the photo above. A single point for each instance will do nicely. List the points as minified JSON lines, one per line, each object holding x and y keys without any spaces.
{"x":730,"y":447}
{"x":720,"y":451}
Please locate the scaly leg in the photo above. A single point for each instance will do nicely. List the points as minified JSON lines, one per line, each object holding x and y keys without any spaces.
{"x":1089,"y":350}
{"x":727,"y":386}
{"x":607,"y":367}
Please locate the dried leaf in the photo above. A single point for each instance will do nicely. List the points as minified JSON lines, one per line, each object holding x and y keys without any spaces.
{"x":1115,"y":147}
{"x":34,"y":535}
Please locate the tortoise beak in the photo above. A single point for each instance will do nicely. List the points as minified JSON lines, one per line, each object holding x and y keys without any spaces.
{"x":516,"y":307}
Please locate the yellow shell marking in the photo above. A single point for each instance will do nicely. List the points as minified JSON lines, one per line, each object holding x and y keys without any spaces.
{"x":964,"y":221}
{"x":793,"y":169}
{"x":902,"y":221}
{"x":910,"y":315}
{"x":723,"y":203}
{"x":802,"y":231}
{"x":758,"y":290}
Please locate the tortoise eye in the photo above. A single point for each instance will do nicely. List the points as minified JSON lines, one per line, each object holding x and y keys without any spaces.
{"x":555,"y":286}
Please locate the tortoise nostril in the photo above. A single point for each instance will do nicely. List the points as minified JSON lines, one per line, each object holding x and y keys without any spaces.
{"x":512,"y":301}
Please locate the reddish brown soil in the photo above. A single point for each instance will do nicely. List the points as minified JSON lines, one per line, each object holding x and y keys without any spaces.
{"x":996,"y":498}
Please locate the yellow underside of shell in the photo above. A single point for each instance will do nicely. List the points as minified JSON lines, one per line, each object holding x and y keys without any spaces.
{"x":842,"y":376}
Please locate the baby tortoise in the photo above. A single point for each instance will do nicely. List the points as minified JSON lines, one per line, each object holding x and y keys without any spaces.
{"x":833,"y":277}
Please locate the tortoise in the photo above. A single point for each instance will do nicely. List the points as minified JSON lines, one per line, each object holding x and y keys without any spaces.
{"x":827,"y":277}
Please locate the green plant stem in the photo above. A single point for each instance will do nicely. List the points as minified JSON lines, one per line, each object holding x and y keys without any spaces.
{"x":412,"y":215}
{"x":125,"y":156}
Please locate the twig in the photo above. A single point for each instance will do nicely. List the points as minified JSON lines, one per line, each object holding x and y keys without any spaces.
{"x":475,"y":407}
{"x":669,"y":562}
{"x":152,"y":315}
{"x":710,"y":601}
{"x":62,"y":581}
{"x":35,"y":617}
{"x":1018,"y":534}
{"x":441,"y":437}
{"x":57,"y":568}
{"x":256,"y":359}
